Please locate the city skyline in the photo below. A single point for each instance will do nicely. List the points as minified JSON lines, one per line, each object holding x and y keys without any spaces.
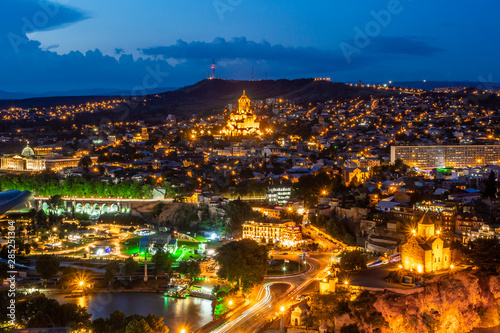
{"x":232,"y":166}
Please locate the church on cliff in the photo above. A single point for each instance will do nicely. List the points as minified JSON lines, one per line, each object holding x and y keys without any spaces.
{"x":425,"y":251}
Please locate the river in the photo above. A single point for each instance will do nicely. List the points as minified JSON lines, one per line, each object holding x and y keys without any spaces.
{"x":177,"y":313}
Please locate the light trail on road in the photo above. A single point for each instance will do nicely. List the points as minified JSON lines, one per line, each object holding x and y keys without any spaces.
{"x":254,"y":310}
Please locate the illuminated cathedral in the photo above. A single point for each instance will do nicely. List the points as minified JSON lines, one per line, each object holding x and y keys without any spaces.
{"x":244,"y":121}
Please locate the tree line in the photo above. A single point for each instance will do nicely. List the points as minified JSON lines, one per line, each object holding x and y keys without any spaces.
{"x":48,"y":184}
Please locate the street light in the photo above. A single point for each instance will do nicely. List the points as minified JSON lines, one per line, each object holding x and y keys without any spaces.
{"x":183,"y":330}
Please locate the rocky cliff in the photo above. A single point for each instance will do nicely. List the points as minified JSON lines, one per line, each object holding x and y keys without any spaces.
{"x":453,"y":303}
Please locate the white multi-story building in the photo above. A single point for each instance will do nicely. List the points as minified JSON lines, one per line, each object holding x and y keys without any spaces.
{"x":456,"y":156}
{"x":279,"y":194}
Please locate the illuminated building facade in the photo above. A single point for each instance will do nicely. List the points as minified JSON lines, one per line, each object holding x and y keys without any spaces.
{"x":269,"y":212}
{"x":286,"y":232}
{"x":142,"y":136}
{"x":430,"y":157}
{"x":244,"y":121}
{"x":279,"y":194}
{"x":61,"y":163}
{"x":425,"y":251}
{"x":27,"y":161}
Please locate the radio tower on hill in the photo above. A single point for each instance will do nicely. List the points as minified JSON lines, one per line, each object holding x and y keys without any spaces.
{"x":213,"y":69}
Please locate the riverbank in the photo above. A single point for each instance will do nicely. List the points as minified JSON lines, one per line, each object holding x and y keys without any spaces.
{"x":177,"y":313}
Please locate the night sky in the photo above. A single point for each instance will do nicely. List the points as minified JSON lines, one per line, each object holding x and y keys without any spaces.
{"x":132,"y":44}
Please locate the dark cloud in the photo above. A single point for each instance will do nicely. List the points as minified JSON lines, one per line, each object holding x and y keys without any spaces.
{"x":119,"y":51}
{"x":25,"y":66}
{"x":26,"y":16}
{"x":403,"y":46}
{"x":241,"y":48}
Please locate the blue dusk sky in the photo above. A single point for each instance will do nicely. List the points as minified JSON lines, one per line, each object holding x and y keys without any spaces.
{"x":57,"y":45}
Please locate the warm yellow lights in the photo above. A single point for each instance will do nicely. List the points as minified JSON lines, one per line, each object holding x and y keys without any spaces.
{"x":420,"y":269}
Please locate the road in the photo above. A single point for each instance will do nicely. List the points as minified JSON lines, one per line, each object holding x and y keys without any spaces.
{"x":268,"y":303}
{"x":324,"y":240}
{"x":267,"y":306}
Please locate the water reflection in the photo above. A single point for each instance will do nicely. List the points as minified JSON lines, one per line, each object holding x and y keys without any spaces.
{"x":191,"y":312}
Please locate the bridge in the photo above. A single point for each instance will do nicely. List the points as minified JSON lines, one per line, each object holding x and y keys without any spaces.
{"x":95,"y":207}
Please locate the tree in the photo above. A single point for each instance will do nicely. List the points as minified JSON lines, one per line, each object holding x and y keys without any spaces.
{"x":238,"y":212}
{"x":162,"y":262}
{"x":353,"y":260}
{"x":138,"y":326}
{"x":130,"y":267}
{"x":490,"y":189}
{"x":191,"y":268}
{"x":118,"y":323}
{"x":41,"y":311}
{"x":69,"y":275}
{"x":156,"y":323}
{"x":47,"y":266}
{"x":55,"y":202}
{"x":243,"y":261}
{"x":112,"y":269}
{"x":41,"y":218}
{"x":85,"y":162}
{"x":485,"y":254}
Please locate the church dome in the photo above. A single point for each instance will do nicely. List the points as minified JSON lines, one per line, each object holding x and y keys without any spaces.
{"x":27,"y":152}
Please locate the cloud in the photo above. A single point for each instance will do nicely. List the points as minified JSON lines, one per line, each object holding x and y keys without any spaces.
{"x":28,"y":67}
{"x":241,"y":48}
{"x":50,"y":47}
{"x":27,"y":16}
{"x":413,"y":46}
